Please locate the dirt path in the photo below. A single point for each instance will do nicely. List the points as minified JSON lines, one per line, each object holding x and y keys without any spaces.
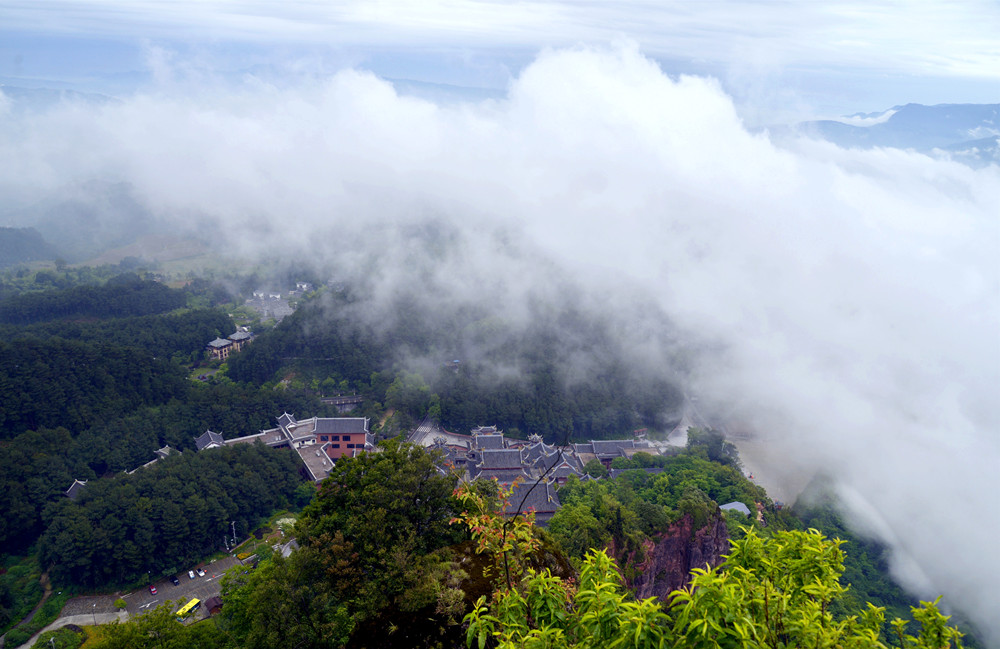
{"x":47,"y":592}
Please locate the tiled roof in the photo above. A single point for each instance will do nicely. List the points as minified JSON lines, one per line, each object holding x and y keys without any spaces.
{"x":341,"y":425}
{"x":541,"y":498}
{"x":546,"y":462}
{"x":452,"y":455}
{"x":501,"y":459}
{"x":75,"y":489}
{"x":538,"y":449}
{"x":738,"y":506}
{"x":219,"y":343}
{"x":165,"y":451}
{"x":611,"y":447}
{"x":286,"y":419}
{"x":503,"y":476}
{"x":208,"y":438}
{"x":239,"y":335}
{"x":488,"y":441}
{"x":317,"y":462}
{"x":564,"y":470}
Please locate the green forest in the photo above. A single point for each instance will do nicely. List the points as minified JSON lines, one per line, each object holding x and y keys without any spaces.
{"x":98,"y":371}
{"x":122,"y":529}
{"x":327,"y":340}
{"x":393,"y":556}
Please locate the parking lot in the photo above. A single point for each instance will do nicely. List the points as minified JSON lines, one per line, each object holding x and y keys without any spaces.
{"x":200,"y":587}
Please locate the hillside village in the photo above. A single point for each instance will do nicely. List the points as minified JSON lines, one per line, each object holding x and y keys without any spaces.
{"x":485,"y":453}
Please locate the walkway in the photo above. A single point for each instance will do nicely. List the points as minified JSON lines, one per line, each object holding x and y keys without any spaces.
{"x":100,"y":609}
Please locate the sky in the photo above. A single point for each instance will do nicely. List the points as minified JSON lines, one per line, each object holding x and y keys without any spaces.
{"x":778,"y":59}
{"x":845,"y":304}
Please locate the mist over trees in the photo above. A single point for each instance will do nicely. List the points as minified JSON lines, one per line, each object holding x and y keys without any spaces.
{"x":565,"y":377}
{"x":845,"y":310}
{"x":124,"y":295}
{"x":377,"y":543}
{"x":86,"y":395}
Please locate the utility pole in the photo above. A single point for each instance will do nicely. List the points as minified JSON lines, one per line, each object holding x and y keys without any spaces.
{"x":233,"y":523}
{"x":94,"y":611}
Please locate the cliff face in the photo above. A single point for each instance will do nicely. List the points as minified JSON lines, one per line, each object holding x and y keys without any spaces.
{"x":670,"y":557}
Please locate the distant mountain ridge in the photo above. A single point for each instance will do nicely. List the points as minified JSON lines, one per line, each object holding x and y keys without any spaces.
{"x":26,"y":100}
{"x":966,"y":132}
{"x":21,"y":245}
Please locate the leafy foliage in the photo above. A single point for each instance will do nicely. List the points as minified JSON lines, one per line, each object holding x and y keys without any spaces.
{"x":372,"y":541}
{"x":770,"y":592}
{"x":76,"y":385}
{"x":510,"y":541}
{"x":157,"y":629}
{"x":20,"y":589}
{"x":64,"y":638}
{"x":181,"y":333}
{"x":172,"y":513}
{"x":525,"y":381}
{"x":637,"y":504}
{"x":37,"y":466}
{"x":125,"y":295}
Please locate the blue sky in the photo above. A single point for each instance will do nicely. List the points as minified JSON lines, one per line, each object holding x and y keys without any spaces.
{"x":775,"y":57}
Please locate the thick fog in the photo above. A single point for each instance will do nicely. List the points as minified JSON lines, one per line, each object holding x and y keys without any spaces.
{"x":845,"y":305}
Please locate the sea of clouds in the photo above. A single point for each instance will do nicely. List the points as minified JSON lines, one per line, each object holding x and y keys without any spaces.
{"x":846,"y":304}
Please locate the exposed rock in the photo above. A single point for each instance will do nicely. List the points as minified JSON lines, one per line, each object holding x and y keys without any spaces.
{"x":663,"y":564}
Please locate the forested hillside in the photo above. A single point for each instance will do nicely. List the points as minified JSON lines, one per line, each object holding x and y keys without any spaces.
{"x":376,"y":567}
{"x":94,"y":378}
{"x":166,"y":516}
{"x":61,"y":383}
{"x":37,"y":466}
{"x":564,"y":377}
{"x":161,"y":335}
{"x":125,"y":295}
{"x":86,"y":397}
{"x":20,"y":245}
{"x":380,"y":566}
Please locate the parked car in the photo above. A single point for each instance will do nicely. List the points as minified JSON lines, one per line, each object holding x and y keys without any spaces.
{"x":174,"y":580}
{"x":152,"y":589}
{"x":201,"y":573}
{"x":191,"y":574}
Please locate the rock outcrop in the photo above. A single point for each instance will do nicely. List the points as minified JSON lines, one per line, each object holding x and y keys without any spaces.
{"x":664,"y":563}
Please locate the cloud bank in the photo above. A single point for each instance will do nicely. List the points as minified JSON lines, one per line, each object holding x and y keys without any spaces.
{"x":846,"y":303}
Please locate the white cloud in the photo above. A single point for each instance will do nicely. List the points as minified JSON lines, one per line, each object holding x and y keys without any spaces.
{"x":851,"y":297}
{"x":927,"y":38}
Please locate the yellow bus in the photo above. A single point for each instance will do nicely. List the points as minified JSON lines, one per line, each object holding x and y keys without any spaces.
{"x":187,"y":609}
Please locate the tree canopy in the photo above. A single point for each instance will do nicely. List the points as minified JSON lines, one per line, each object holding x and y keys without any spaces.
{"x":770,"y":592}
{"x":372,"y":540}
{"x":164,"y":516}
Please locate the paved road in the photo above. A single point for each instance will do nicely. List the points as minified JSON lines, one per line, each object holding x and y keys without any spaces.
{"x":427,"y":431}
{"x":85,"y":611}
{"x":79,"y":620}
{"x":423,"y":435}
{"x":200,"y":587}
